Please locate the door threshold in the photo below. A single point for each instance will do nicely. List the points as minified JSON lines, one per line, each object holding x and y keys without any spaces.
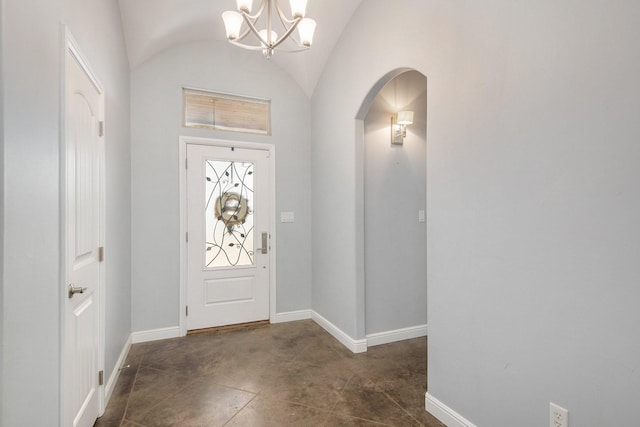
{"x":228,"y":327}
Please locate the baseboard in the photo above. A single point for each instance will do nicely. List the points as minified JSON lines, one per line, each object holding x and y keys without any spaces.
{"x":396,"y":335}
{"x":113,"y":378}
{"x":356,"y":346}
{"x":445,"y":414}
{"x":292,"y":316}
{"x":155,"y":335}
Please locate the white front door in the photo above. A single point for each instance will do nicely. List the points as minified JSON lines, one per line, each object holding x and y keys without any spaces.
{"x":228,"y":253}
{"x":83,"y":141}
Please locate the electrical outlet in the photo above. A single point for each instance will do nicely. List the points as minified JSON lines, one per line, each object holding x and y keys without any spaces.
{"x":558,"y":416}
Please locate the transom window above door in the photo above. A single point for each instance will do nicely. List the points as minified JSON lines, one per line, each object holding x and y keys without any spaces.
{"x":218,"y":111}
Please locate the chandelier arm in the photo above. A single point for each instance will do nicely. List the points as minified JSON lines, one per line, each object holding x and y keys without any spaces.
{"x":285,"y":21}
{"x":255,"y":17}
{"x":268,"y":46}
{"x":250,"y":19}
{"x":257,"y":48}
{"x":243,"y":35}
{"x":299,"y":49}
{"x":246,"y":46}
{"x":253,"y":29}
{"x":269,"y":24}
{"x":262,"y":48}
{"x":297,"y":41}
{"x":287,"y":34}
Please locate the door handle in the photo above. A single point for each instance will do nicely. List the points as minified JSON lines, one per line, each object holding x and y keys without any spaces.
{"x":75,"y":290}
{"x":265,"y":244}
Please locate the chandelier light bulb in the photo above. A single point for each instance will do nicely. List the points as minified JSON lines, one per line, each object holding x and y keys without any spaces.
{"x":232,"y":23}
{"x":306,"y":28}
{"x":245,"y":5}
{"x":298,"y":8}
{"x":265,"y":38}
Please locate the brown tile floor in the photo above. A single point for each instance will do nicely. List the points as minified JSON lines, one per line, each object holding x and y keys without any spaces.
{"x":289,"y":374}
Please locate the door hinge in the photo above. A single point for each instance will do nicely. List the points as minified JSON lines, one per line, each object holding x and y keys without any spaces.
{"x":101,"y":254}
{"x":101,"y":378}
{"x":101,"y":128}
{"x":186,"y":236}
{"x":186,"y":163}
{"x":186,"y":310}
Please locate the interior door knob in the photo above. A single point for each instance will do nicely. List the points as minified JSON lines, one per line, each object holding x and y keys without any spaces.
{"x":75,"y":290}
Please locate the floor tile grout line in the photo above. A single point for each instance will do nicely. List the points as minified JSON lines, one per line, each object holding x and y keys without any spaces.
{"x":400,"y":406}
{"x":295,"y":403}
{"x":228,"y":386}
{"x":133,"y":384}
{"x":135,"y":424}
{"x":241,"y":409}
{"x":377,"y":385}
{"x":367,"y":420}
{"x":336,"y":403}
{"x":332,"y":412}
{"x":327,"y":411}
{"x":337,"y":362}
{"x":180,"y":390}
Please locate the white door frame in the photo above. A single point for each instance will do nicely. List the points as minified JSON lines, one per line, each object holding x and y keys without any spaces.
{"x":71,"y":46}
{"x":184,"y":140}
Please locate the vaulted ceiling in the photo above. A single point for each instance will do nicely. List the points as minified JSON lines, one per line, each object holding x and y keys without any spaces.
{"x":151,"y":26}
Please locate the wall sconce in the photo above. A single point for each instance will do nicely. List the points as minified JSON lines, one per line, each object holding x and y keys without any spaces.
{"x":399,"y":126}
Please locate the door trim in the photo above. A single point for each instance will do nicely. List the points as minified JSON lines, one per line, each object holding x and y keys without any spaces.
{"x":183,"y":142}
{"x":71,"y":46}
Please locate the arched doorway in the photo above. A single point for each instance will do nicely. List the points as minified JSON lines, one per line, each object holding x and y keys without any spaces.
{"x":391,"y":209}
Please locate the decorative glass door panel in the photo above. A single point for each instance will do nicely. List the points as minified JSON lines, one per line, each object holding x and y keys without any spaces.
{"x":228,"y":214}
{"x":228,"y":227}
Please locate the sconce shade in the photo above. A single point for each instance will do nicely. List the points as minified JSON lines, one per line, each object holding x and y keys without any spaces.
{"x":232,"y":23}
{"x":306,"y":28}
{"x":298,"y":8}
{"x":405,"y":117}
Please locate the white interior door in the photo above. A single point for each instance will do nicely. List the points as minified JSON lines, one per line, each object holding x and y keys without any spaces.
{"x":83,"y":114}
{"x":228,"y":253}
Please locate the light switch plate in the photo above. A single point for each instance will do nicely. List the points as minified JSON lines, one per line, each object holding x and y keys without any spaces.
{"x":287,"y":217}
{"x":421,"y":216}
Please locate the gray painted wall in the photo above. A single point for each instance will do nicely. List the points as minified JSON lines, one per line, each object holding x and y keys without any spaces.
{"x":532,"y":197}
{"x":32,"y":289}
{"x":395,"y":189}
{"x":532,"y":200}
{"x":1,"y":205}
{"x":31,"y":87}
{"x":156,"y":126}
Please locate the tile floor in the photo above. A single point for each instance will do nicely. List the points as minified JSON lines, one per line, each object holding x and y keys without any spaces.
{"x":288,"y":374}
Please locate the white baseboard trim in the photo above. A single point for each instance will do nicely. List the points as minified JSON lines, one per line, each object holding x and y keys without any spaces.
{"x":292,"y":316}
{"x":155,"y":334}
{"x":356,"y":346}
{"x":396,"y":335}
{"x":445,"y":414}
{"x":113,"y":378}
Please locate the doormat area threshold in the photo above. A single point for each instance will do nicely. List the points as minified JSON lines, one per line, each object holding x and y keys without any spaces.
{"x":228,"y":327}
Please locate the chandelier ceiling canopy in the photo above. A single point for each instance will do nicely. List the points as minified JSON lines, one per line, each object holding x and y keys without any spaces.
{"x":262,"y":26}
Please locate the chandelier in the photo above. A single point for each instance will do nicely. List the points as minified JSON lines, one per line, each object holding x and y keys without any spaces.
{"x":267,"y":39}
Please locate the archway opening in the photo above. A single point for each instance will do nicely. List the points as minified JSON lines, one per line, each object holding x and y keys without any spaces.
{"x":391,"y":209}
